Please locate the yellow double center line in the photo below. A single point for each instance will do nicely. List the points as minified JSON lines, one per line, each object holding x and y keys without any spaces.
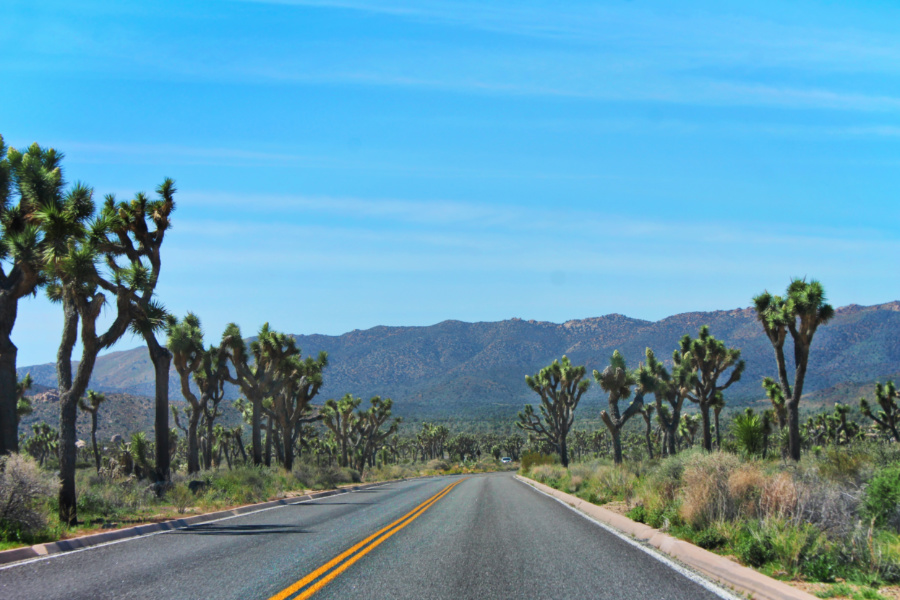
{"x":342,"y":562}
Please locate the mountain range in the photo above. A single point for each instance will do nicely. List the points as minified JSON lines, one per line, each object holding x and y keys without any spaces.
{"x":478,"y":369}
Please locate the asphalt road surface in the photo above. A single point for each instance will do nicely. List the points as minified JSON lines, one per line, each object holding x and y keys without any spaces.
{"x":480,"y":537}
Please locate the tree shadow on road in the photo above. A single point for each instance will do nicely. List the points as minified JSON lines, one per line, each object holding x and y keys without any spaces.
{"x":211,"y":529}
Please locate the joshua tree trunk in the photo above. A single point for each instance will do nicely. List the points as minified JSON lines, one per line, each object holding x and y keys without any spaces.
{"x":617,"y":445}
{"x":94,"y":439}
{"x":563,"y":452}
{"x":9,"y":431}
{"x":801,"y":356}
{"x":707,"y":432}
{"x":288,"y":451}
{"x":269,"y":432}
{"x":208,"y":449}
{"x":718,"y":432}
{"x":162,"y":359}
{"x":193,"y":444}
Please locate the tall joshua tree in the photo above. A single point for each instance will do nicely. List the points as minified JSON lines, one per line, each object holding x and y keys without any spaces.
{"x":338,"y":416}
{"x":888,"y":418}
{"x":616,"y":380}
{"x":298,"y":382}
{"x":799,"y":312}
{"x":82,"y":269}
{"x":91,"y":405}
{"x":137,"y":229}
{"x":560,"y":386}
{"x":29,"y":179}
{"x":209,"y":370}
{"x":255,"y":372}
{"x":668,"y":388}
{"x":370,"y":434}
{"x":704,"y":360}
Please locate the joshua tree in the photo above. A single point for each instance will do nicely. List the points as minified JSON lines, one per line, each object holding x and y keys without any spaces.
{"x":799,"y":312}
{"x":370,"y":436}
{"x":513,"y":446}
{"x":297,"y":383}
{"x":43,"y":442}
{"x":338,"y":416}
{"x":690,"y":425}
{"x":671,"y":389}
{"x":29,"y":179}
{"x":209,"y":369}
{"x":616,"y":380}
{"x":74,"y":248}
{"x":464,"y":445}
{"x":91,"y":405}
{"x":647,"y":411}
{"x":131,"y":235}
{"x":257,"y":379}
{"x":776,"y":396}
{"x":718,"y":404}
{"x":560,"y":387}
{"x":704,"y":360}
{"x":888,"y":418}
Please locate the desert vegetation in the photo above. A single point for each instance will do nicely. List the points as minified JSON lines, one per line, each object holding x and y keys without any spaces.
{"x":815,"y":499}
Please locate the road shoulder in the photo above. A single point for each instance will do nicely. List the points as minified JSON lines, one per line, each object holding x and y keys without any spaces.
{"x":727,"y":572}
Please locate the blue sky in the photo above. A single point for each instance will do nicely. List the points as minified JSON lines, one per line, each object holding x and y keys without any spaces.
{"x":346,"y":164}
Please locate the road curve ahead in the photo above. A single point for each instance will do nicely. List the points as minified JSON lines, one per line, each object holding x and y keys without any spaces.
{"x":478,"y":537}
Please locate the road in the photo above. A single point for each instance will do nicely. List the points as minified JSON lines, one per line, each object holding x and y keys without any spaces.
{"x":478,"y":537}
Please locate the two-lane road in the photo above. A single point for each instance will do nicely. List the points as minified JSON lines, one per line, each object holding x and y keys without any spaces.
{"x":485,"y":536}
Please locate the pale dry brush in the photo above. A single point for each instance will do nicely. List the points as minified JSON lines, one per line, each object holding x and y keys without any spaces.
{"x":22,"y":489}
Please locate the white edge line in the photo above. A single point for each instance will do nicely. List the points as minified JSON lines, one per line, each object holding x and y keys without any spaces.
{"x":147,"y":535}
{"x":658,"y":555}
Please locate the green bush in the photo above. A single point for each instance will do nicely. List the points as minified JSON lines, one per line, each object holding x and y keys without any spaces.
{"x":824,"y":567}
{"x":533,"y":459}
{"x":709,"y":538}
{"x":638,"y":513}
{"x":752,"y":547}
{"x":882,"y":498}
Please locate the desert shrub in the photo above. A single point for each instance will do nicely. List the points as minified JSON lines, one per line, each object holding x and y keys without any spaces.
{"x":745,"y":487}
{"x":638,"y":513}
{"x":882,"y":498}
{"x":181,"y":497}
{"x":751,"y":546}
{"x":22,"y":490}
{"x":438,"y":464}
{"x":305,"y":475}
{"x":386,"y":472}
{"x":779,"y":497}
{"x":531,"y":459}
{"x":705,"y":493}
{"x":709,"y":538}
{"x":548,"y":474}
{"x":665,"y":479}
{"x":831,"y":506}
{"x":845,"y":464}
{"x":791,"y":544}
{"x":331,"y":476}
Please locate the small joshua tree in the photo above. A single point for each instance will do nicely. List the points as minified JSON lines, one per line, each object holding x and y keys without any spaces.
{"x":888,"y":418}
{"x":560,"y":386}
{"x":91,"y":405}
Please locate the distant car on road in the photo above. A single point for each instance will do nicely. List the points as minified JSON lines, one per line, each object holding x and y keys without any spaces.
{"x":506,"y":460}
